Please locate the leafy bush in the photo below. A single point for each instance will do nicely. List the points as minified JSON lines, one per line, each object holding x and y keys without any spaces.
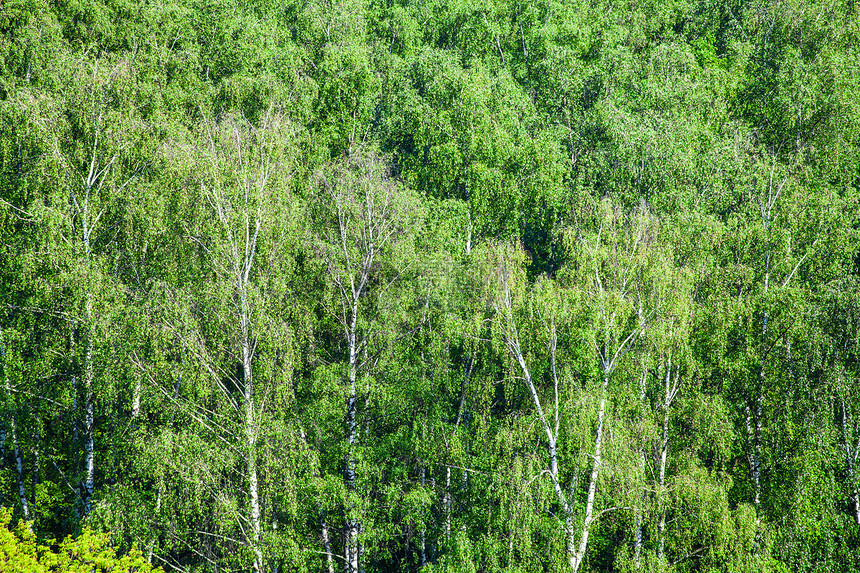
{"x":88,"y":553}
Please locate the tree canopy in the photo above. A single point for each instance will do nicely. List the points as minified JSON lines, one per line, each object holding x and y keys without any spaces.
{"x":448,"y":285}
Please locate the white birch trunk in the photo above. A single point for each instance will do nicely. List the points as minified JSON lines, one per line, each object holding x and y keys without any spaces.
{"x":577,"y":554}
{"x":468,"y":214}
{"x":326,"y":543}
{"x":176,"y":390}
{"x":757,"y":454}
{"x":89,"y":415}
{"x":19,"y":458}
{"x":576,"y":550}
{"x":856,"y":499}
{"x":92,"y":182}
{"x":422,"y":558}
{"x":469,"y":235}
{"x":759,"y":396}
{"x":661,"y":487}
{"x":671,"y":387}
{"x":851,"y":453}
{"x":37,"y":437}
{"x":74,"y":416}
{"x":638,"y":535}
{"x":448,"y":500}
{"x":151,"y":550}
{"x":855,"y":496}
{"x":135,"y":399}
{"x":352,"y":528}
{"x":19,"y":462}
{"x":242,"y":280}
{"x":242,"y":250}
{"x":251,"y":435}
{"x":366,"y":224}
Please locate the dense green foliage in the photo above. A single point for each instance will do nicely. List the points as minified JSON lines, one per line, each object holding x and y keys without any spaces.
{"x":89,"y":553}
{"x":465,"y":286}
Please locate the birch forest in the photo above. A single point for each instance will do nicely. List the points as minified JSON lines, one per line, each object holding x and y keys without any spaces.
{"x":466,"y":286}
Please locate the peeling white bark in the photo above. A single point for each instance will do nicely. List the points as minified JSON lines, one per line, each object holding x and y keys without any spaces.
{"x":671,"y":386}
{"x":353,"y":526}
{"x":19,"y":458}
{"x":19,"y":462}
{"x":577,"y":537}
{"x":241,"y":251}
{"x":852,"y":452}
{"x":448,"y":498}
{"x":89,"y":416}
{"x":578,"y":555}
{"x":326,"y":543}
{"x":365,"y":222}
{"x":135,"y":399}
{"x":251,"y":436}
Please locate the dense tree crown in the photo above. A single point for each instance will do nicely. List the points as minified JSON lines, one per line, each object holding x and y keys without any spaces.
{"x":368,"y":286}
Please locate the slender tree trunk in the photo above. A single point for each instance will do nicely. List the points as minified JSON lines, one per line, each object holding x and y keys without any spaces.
{"x":89,"y":405}
{"x":638,"y":535}
{"x":468,"y":214}
{"x":83,"y":212}
{"x":753,"y":419}
{"x":250,"y":433}
{"x":37,"y":470}
{"x":89,"y":414}
{"x":577,"y":554}
{"x":448,"y":501}
{"x":759,"y":396}
{"x":661,"y":487}
{"x":19,"y":462}
{"x":135,"y":399}
{"x":469,"y":235}
{"x":757,"y":453}
{"x":855,"y":496}
{"x":851,"y":452}
{"x":326,"y":542}
{"x":19,"y":458}
{"x":151,"y":550}
{"x":422,"y":558}
{"x":177,"y":388}
{"x":353,"y":526}
{"x":74,"y":417}
{"x":253,"y":492}
{"x":671,"y":387}
{"x":576,"y":550}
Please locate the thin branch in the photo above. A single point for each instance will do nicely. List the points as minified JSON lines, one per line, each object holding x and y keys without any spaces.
{"x":803,"y":258}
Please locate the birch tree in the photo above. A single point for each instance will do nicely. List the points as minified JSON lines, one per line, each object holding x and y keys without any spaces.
{"x":364,"y":222}
{"x":609,"y":266}
{"x":12,"y":418}
{"x":239,"y":178}
{"x":611,"y":259}
{"x":508,"y":295}
{"x":840,"y":321}
{"x":773,"y":245}
{"x":93,"y":152}
{"x":671,"y":351}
